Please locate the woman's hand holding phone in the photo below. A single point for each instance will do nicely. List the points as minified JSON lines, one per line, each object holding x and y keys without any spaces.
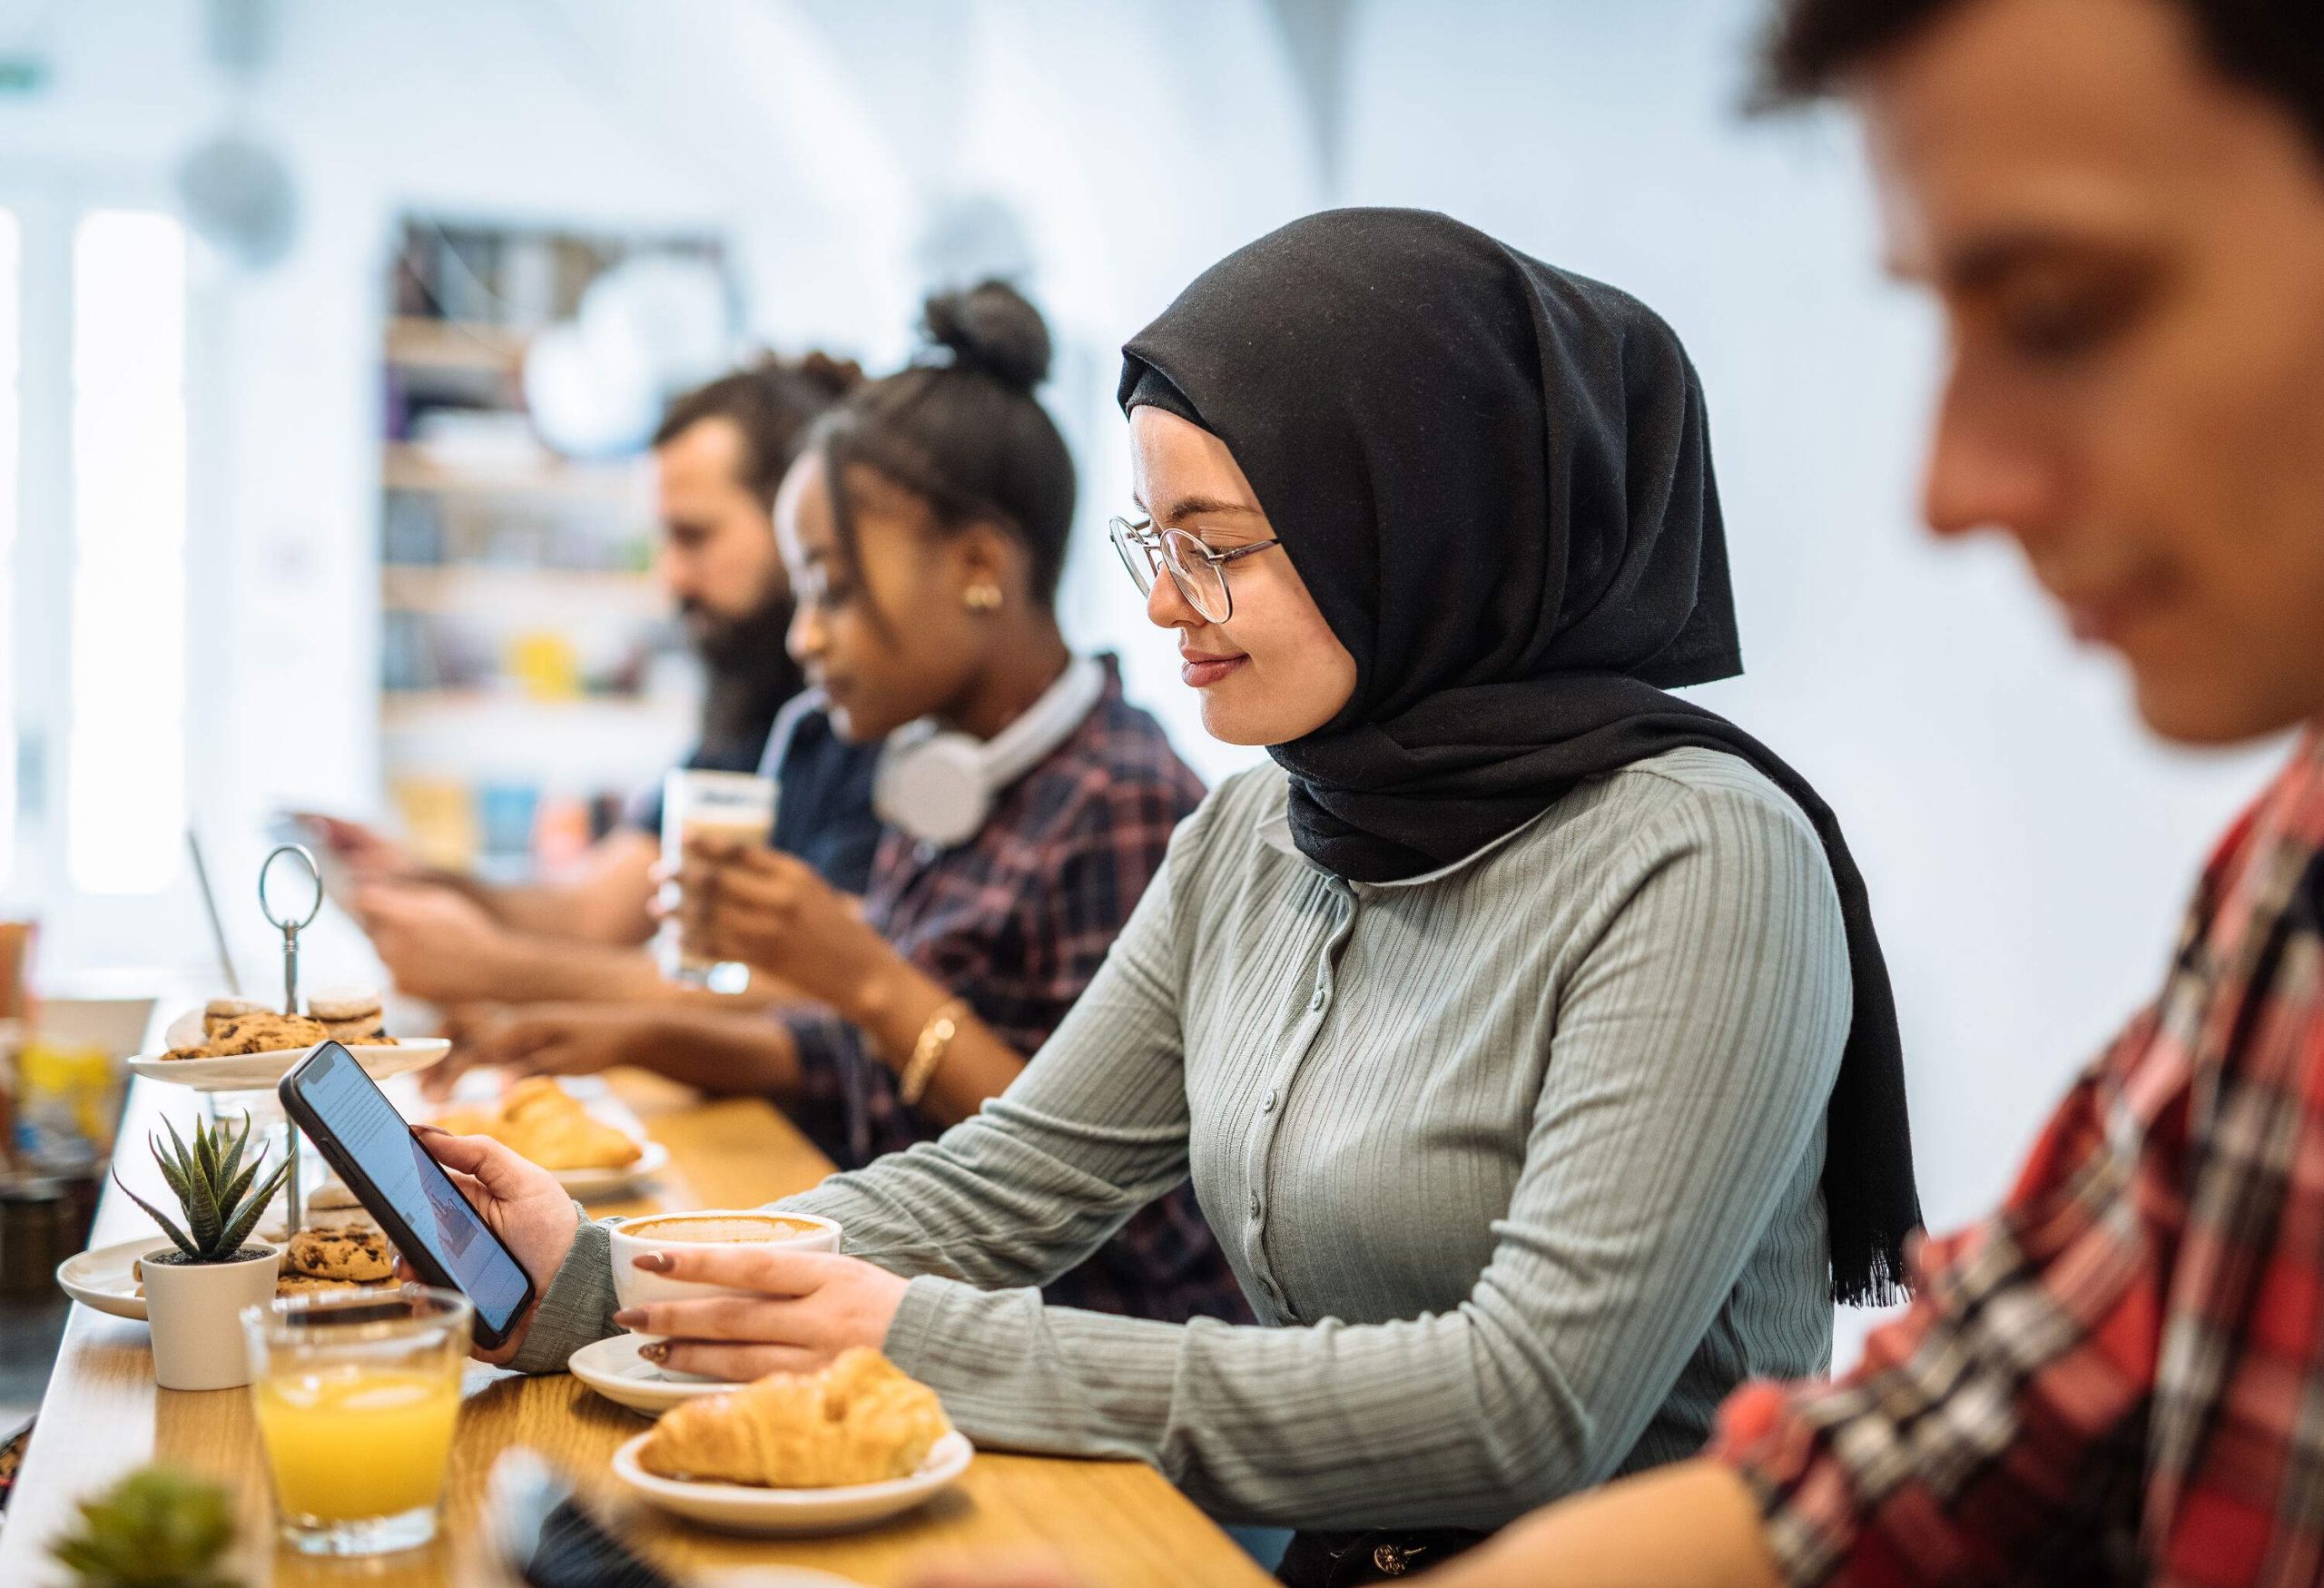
{"x":521,"y":1201}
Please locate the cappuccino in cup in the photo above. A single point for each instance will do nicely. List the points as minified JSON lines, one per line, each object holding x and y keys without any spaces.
{"x":720,"y":1229}
{"x":712,"y":1228}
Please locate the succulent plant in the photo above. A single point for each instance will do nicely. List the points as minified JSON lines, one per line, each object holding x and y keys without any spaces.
{"x":157,"y":1528}
{"x":212,"y":1186}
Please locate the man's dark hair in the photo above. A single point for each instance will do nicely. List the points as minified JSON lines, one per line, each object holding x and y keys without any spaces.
{"x":2275,"y":47}
{"x":772,"y":402}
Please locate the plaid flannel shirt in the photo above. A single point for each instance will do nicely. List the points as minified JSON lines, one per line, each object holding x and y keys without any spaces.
{"x":1017,"y":921}
{"x":2120,"y":1375}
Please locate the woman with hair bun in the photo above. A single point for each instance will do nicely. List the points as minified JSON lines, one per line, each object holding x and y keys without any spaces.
{"x":1024,"y":805}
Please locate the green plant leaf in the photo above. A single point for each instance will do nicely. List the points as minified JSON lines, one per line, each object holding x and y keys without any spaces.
{"x":176,"y":1235}
{"x":206,"y":1218}
{"x":185,"y":1164}
{"x":205,"y":1151}
{"x":199,"y":1196}
{"x":237,"y":1232}
{"x":230,"y":1200}
{"x":157,"y":1528}
{"x":177,"y":1165}
{"x":234,"y":1157}
{"x":171,"y":1173}
{"x":203,"y":1221}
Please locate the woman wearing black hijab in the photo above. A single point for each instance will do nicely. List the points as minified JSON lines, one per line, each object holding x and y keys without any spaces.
{"x":1521,"y":1028}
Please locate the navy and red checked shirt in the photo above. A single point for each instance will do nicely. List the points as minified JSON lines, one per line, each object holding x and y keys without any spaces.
{"x":1017,"y":921}
{"x":2119,"y":1376}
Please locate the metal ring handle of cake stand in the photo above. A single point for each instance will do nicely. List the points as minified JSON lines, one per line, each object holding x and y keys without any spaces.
{"x":294,"y":1209}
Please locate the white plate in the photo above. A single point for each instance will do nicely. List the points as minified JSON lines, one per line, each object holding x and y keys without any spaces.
{"x":613,"y":1367}
{"x":591,"y":1185}
{"x":257,"y":1071}
{"x":101,"y":1278}
{"x":741,"y":1508}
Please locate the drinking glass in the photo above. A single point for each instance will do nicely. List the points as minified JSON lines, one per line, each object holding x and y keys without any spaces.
{"x":701,"y":804}
{"x":357,"y":1393}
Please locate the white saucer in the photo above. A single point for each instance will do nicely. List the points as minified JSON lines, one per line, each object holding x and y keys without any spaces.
{"x":594,"y":1185}
{"x":259,"y":1071}
{"x":741,"y":1508}
{"x":613,"y":1367}
{"x":101,"y":1278}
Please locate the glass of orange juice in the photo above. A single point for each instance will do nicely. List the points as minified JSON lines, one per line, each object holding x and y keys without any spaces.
{"x":357,"y":1393}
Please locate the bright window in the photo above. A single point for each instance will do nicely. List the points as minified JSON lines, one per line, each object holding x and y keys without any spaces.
{"x":10,"y":491}
{"x":126,"y":768}
{"x":11,"y":364}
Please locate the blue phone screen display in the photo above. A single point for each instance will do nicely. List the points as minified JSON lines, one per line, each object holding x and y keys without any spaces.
{"x":370,"y":1132}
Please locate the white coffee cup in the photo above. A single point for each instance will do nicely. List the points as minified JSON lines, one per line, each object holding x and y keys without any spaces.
{"x":664,"y":1232}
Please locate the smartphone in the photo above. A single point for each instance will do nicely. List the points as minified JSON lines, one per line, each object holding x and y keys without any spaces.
{"x":359,"y":1132}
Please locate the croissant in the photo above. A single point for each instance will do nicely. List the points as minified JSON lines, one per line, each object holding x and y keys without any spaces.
{"x":859,"y":1421}
{"x":539,"y":1120}
{"x":548,"y":1125}
{"x":469,"y":1122}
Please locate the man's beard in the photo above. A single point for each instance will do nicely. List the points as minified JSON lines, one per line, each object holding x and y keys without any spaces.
{"x":748,"y":673}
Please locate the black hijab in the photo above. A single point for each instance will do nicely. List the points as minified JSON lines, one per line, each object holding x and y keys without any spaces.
{"x":1495,"y":478}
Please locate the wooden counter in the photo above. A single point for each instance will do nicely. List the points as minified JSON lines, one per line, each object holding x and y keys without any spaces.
{"x":1119,"y":1521}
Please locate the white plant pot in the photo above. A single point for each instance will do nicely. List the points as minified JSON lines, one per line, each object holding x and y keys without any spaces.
{"x":196,"y":1312}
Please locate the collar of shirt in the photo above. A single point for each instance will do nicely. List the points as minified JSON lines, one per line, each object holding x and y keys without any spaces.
{"x":1274,"y":832}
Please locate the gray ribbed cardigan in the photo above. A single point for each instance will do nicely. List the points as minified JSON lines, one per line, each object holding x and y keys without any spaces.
{"x":1518,"y":1161}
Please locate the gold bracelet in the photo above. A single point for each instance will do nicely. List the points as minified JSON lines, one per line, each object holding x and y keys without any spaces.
{"x":935,"y":1041}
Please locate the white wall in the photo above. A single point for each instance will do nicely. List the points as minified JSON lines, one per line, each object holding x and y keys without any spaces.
{"x":817,"y":137}
{"x":1137,"y":143}
{"x":2027,"y":845}
{"x":497,"y":109}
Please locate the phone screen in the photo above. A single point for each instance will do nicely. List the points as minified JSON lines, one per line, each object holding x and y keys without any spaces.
{"x":373,"y":1147}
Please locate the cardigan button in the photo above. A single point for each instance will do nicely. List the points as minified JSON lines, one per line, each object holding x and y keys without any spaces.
{"x":1392,"y":1560}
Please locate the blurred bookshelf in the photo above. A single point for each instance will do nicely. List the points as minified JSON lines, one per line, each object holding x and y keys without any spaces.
{"x":531,"y":676}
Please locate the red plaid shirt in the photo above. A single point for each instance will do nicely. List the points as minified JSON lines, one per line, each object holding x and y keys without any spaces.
{"x":2120,"y":1375}
{"x":1017,"y":921}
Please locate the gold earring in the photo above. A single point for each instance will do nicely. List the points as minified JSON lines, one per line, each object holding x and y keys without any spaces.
{"x":983,"y":598}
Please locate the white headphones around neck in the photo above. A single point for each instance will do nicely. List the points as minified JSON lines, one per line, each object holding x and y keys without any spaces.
{"x":939,"y":787}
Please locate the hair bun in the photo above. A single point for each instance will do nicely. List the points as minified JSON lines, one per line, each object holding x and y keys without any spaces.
{"x":991,"y":330}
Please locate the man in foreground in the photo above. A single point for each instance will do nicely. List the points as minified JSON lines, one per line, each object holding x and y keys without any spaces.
{"x":2119,"y":1376}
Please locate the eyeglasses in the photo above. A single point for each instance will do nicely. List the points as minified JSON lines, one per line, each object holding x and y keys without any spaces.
{"x":1199,"y":573}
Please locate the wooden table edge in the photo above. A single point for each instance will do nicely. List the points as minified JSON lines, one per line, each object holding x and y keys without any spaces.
{"x":118,"y":1420}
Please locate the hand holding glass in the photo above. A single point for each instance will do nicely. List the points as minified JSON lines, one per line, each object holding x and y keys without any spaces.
{"x":734,"y":805}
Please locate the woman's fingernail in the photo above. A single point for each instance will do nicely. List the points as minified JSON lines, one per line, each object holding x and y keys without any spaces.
{"x":630,"y":1317}
{"x":656,"y":1352}
{"x":655,"y":1262}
